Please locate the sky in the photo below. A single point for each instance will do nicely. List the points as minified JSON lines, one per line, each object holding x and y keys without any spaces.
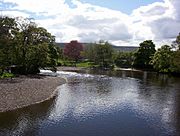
{"x":121,"y":22}
{"x":125,"y":6}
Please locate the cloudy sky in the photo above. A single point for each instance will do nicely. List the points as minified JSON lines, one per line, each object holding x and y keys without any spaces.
{"x":121,"y":22}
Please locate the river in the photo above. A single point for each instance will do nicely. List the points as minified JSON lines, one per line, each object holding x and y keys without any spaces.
{"x":102,"y":103}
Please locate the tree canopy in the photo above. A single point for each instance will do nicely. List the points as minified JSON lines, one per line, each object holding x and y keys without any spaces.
{"x":124,"y":59}
{"x":175,"y":65}
{"x":178,"y":41}
{"x":25,"y":45}
{"x":144,"y":54}
{"x":73,"y":50}
{"x":8,"y":27}
{"x":100,"y":53}
{"x":176,"y":44}
{"x":162,"y":59}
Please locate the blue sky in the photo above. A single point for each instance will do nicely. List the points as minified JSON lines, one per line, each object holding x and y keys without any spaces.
{"x":126,"y":6}
{"x":121,"y":22}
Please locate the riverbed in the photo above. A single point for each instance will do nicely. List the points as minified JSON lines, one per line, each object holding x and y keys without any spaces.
{"x":102,"y":103}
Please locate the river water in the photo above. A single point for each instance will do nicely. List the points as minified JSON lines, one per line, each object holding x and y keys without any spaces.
{"x":102,"y":103}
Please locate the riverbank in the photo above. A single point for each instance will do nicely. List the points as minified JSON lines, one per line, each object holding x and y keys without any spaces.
{"x":23,"y":91}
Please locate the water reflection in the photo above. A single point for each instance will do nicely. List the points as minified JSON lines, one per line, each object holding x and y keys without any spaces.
{"x":26,"y":121}
{"x":103,"y":103}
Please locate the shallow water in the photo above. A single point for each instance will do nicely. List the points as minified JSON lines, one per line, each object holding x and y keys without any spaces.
{"x":102,"y":103}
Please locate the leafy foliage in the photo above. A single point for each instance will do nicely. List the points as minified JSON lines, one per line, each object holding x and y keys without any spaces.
{"x":7,"y":28}
{"x":90,"y":52}
{"x":162,"y":59}
{"x":124,"y":59}
{"x":100,"y":53}
{"x":144,"y":54}
{"x":176,"y":43}
{"x":73,"y":50}
{"x":175,"y":65}
{"x":25,"y":45}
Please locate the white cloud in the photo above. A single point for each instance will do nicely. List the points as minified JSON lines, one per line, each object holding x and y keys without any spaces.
{"x":165,"y":28}
{"x":15,"y":13}
{"x":158,"y":21}
{"x":40,"y":6}
{"x":85,"y":22}
{"x":176,"y":5}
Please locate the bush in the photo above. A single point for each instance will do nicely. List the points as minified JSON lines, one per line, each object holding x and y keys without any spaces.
{"x":59,"y":64}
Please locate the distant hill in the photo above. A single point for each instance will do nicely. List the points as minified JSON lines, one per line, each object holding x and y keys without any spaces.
{"x":125,"y":48}
{"x":117,"y":48}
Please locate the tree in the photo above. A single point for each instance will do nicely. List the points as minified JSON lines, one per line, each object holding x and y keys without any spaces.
{"x":35,"y":40}
{"x":89,"y":52}
{"x":176,"y":44}
{"x":7,"y":28}
{"x":162,"y":59}
{"x":103,"y":54}
{"x":37,"y":56}
{"x":54,"y":54}
{"x":29,"y":38}
{"x":100,"y":53}
{"x":175,"y":65}
{"x":144,"y":54}
{"x":73,"y":50}
{"x":124,"y":59}
{"x":24,"y":44}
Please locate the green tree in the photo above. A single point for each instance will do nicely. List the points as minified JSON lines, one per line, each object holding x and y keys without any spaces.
{"x":30,"y":36}
{"x":38,"y":43}
{"x":162,"y":59}
{"x":124,"y":59}
{"x":37,"y":56}
{"x":24,"y":44}
{"x":103,"y":54}
{"x":100,"y":53}
{"x":176,"y":44}
{"x":7,"y":28}
{"x":175,"y":65}
{"x":54,"y":54}
{"x":89,"y":52}
{"x":144,"y":54}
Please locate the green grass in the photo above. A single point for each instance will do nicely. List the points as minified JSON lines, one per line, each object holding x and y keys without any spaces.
{"x":66,"y":63}
{"x":7,"y":75}
{"x":84,"y":64}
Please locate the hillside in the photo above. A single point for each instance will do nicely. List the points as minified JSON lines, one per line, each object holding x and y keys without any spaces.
{"x":118,"y":48}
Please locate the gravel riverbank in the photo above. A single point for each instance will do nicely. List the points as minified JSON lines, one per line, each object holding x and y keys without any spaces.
{"x":27,"y":90}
